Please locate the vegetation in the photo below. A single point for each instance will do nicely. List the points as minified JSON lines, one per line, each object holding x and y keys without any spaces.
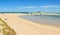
{"x":5,"y":29}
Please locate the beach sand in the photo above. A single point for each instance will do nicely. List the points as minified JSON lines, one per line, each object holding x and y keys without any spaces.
{"x":25,"y":27}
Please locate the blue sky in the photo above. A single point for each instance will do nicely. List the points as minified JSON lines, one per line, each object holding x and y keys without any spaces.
{"x":29,"y":5}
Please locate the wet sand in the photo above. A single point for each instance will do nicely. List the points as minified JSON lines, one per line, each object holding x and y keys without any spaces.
{"x":25,"y":27}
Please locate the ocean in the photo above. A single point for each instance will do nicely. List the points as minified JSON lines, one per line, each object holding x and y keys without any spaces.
{"x":48,"y":20}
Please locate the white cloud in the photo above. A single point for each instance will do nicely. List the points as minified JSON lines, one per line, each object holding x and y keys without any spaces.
{"x":27,"y":7}
{"x":49,"y":6}
{"x":30,"y":7}
{"x":4,"y":9}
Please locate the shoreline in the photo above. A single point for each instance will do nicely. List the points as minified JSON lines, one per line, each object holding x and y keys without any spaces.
{"x":26,"y":27}
{"x":54,"y":25}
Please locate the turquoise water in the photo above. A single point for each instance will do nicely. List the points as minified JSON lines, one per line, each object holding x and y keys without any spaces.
{"x":49,"y":20}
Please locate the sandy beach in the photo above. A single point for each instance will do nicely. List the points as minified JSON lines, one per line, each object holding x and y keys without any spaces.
{"x":25,"y":27}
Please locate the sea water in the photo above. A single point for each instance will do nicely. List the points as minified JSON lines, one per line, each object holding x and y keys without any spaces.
{"x":48,"y":20}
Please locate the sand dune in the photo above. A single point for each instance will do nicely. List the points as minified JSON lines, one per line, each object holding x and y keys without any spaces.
{"x":25,"y":27}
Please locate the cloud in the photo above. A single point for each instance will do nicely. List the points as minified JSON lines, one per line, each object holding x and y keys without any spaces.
{"x":50,"y":6}
{"x":33,"y":8}
{"x":27,"y":7}
{"x":4,"y":9}
{"x":30,"y":7}
{"x":39,"y":8}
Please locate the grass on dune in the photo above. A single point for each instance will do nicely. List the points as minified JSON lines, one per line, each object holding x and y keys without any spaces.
{"x":6,"y":29}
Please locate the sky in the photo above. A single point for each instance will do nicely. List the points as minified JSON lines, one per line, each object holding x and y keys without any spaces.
{"x":29,"y":5}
